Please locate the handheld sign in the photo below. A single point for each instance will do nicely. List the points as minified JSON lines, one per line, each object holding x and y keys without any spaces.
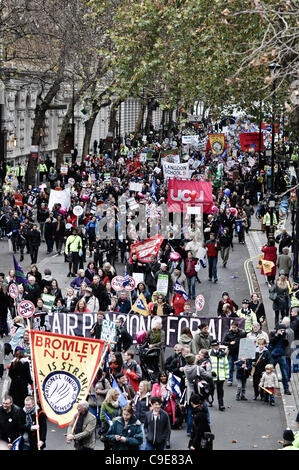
{"x":26,"y":308}
{"x":247,"y":348}
{"x":199,"y":302}
{"x":78,"y":211}
{"x":13,"y":291}
{"x":117,"y":283}
{"x":130,"y":284}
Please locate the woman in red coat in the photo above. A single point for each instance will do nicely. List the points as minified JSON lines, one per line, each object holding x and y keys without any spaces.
{"x":270,"y":254}
{"x":177,"y":302}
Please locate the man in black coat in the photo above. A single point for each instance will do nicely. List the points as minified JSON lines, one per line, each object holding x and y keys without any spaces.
{"x":151,"y":269}
{"x":156,"y":426}
{"x":232,"y":341}
{"x":124,"y":339}
{"x":32,"y":290}
{"x":34,"y":240}
{"x":200,"y":425}
{"x":99,"y":291}
{"x":30,"y":437}
{"x":11,"y":421}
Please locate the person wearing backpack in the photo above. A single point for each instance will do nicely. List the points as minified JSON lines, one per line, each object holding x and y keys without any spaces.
{"x":201,"y":437}
{"x":193,"y":374}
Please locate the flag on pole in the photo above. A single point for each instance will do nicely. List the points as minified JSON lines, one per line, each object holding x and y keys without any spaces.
{"x":16,"y":445}
{"x":122,"y":400}
{"x":20,"y":276}
{"x":64,"y":367}
{"x":174,"y":385}
{"x":153,"y":190}
{"x":179,"y":289}
{"x":140,"y":306}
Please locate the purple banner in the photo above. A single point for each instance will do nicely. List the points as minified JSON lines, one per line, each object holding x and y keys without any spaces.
{"x":79,"y":324}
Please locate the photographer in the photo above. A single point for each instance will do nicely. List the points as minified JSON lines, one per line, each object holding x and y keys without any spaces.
{"x":277,"y":348}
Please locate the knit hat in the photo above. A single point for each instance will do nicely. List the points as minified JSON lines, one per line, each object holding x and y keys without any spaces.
{"x":190,"y":358}
{"x":288,"y":435}
{"x":281,"y":326}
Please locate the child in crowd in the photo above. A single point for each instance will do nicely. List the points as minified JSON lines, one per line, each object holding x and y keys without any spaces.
{"x":268,"y":384}
{"x":243,"y":370}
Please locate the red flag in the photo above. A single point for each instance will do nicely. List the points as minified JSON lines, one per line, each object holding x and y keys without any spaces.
{"x":144,"y":250}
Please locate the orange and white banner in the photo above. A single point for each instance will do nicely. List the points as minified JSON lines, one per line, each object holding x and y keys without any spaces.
{"x":64,"y":368}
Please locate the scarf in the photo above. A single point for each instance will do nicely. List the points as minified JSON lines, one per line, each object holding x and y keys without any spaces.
{"x":28,"y":413}
{"x":79,"y":425}
{"x":156,"y":336}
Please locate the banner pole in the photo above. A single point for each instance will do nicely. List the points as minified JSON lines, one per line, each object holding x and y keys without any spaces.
{"x":34,"y":383}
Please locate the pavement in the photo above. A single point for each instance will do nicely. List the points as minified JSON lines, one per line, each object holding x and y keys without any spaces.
{"x":254,"y":241}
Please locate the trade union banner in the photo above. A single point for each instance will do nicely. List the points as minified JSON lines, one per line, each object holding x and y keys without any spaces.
{"x":80,"y":324}
{"x":250,"y":140}
{"x":217,"y":143}
{"x":170,"y":156}
{"x":183,"y":193}
{"x":64,"y":368}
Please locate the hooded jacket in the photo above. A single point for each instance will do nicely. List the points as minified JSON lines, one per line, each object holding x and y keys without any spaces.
{"x":132,"y":432}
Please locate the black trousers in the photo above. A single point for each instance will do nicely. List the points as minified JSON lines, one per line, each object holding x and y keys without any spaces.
{"x":33,"y":254}
{"x":220,"y":391}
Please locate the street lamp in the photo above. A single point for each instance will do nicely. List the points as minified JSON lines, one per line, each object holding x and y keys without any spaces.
{"x":273,"y":68}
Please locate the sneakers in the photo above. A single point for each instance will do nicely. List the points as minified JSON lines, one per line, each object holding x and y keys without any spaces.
{"x":229,"y":383}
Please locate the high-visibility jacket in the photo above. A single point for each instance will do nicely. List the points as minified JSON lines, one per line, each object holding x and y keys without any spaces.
{"x":219,"y":363}
{"x":250,"y":318}
{"x":73,"y":244}
{"x":20,"y":171}
{"x":9,"y":170}
{"x":295,"y":299}
{"x":267,"y":219}
{"x":43,"y":168}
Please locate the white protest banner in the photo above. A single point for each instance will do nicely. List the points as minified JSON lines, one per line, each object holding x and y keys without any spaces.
{"x":107,"y":178}
{"x":48,"y":301}
{"x":26,"y":309}
{"x":142,"y":157}
{"x":199,"y":302}
{"x":136,"y":187}
{"x":78,"y":211}
{"x":190,"y":139}
{"x":117,"y":283}
{"x":162,"y":284}
{"x":60,"y":197}
{"x":247,"y":348}
{"x":175,"y":170}
{"x":193,"y":210}
{"x":64,"y":169}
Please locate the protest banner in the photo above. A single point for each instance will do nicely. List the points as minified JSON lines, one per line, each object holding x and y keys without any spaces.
{"x":250,"y":140}
{"x":138,"y":277}
{"x":140,"y":306}
{"x":107,"y":178}
{"x":144,"y":250}
{"x":217,"y":143}
{"x":136,"y":187}
{"x":175,"y":170}
{"x":170,"y":156}
{"x":60,"y":197}
{"x":76,"y":324}
{"x":181,"y":193}
{"x":64,"y":368}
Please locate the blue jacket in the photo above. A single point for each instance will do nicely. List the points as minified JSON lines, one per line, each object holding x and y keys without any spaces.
{"x":241,"y":372}
{"x":132,"y":432}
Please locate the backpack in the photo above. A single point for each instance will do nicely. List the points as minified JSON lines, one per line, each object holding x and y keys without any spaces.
{"x":204,"y":387}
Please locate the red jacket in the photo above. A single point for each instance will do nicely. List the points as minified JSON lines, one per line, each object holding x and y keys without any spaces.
{"x":212,"y":247}
{"x":177,"y":302}
{"x":270,"y":254}
{"x":192,"y":272}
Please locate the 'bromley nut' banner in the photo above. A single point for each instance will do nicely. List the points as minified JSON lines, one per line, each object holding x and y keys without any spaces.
{"x":64,"y":368}
{"x":184,"y":193}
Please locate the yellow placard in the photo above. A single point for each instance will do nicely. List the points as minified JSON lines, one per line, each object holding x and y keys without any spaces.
{"x":64,"y":368}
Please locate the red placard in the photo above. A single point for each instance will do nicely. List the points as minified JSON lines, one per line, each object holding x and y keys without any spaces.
{"x":184,"y":193}
{"x":249,"y":140}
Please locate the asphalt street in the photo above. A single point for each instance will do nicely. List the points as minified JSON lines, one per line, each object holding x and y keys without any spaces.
{"x":243,"y":425}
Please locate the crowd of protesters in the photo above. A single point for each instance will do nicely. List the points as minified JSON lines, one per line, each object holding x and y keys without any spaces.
{"x":134,"y":410}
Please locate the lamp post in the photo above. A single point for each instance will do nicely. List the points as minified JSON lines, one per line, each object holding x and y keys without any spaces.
{"x":273,"y":69}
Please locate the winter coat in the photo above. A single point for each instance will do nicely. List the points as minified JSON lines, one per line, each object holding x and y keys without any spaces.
{"x":11,"y":424}
{"x":261,"y":360}
{"x":269,"y":380}
{"x":156,"y":430}
{"x":177,"y":302}
{"x":185,"y":340}
{"x":132,"y":432}
{"x":202,"y":341}
{"x":141,"y":406}
{"x":111,"y":412}
{"x":233,"y":349}
{"x":191,"y":372}
{"x":282,"y":299}
{"x":85,"y":438}
{"x":250,"y":318}
{"x":191,"y":265}
{"x":32,"y":435}
{"x":242,"y":373}
{"x":200,"y":425}
{"x":278,"y":344}
{"x":20,"y":375}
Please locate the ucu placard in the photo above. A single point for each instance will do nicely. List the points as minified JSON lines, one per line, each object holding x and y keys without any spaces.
{"x":182,"y":194}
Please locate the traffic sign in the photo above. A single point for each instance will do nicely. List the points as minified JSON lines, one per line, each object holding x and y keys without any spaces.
{"x":199,"y":302}
{"x":13,"y":291}
{"x":26,"y":309}
{"x":117,"y":283}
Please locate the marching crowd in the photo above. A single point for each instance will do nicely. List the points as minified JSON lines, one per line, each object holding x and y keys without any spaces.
{"x":141,"y":396}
